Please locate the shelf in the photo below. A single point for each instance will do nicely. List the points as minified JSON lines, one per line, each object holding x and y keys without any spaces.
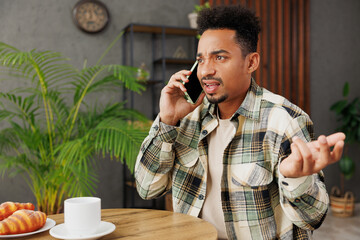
{"x":156,"y":42}
{"x":130,"y":184}
{"x":150,"y":82}
{"x":176,"y":61}
{"x":144,"y":28}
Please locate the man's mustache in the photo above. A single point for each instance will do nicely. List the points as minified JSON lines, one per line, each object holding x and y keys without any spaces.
{"x":212,"y":78}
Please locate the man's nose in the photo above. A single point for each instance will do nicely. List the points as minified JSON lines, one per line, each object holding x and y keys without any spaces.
{"x":207,"y":69}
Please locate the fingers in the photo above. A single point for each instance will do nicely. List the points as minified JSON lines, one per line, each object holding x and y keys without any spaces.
{"x":296,"y":158}
{"x":323,"y":145}
{"x":306,"y":159}
{"x":306,"y":156}
{"x":314,"y":159}
{"x":332,"y":139}
{"x":337,"y":151}
{"x":175,"y":80}
{"x":324,"y":157}
{"x":292,"y":166}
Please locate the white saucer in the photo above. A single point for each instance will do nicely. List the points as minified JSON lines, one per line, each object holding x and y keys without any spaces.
{"x":60,"y":232}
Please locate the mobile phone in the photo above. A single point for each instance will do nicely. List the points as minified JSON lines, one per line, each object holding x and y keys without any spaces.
{"x":193,"y":86}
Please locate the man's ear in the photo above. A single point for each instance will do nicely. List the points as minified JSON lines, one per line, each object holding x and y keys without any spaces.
{"x":253,"y":61}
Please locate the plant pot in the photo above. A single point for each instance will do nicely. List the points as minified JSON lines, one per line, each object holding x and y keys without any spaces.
{"x":192,"y":19}
{"x":342,"y":206}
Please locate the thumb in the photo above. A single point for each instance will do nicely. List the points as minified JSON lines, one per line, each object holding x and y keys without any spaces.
{"x":292,"y":165}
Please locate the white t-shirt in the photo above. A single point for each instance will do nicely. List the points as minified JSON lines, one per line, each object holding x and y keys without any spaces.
{"x":212,"y":208}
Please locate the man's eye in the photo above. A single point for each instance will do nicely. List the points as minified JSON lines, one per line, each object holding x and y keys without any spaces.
{"x":200,"y":60}
{"x":219,"y":58}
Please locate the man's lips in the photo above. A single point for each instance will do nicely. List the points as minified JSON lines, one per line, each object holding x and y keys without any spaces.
{"x":211,"y":86}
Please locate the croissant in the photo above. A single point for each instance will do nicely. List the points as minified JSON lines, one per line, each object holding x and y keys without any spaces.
{"x":8,"y":208}
{"x":22,"y":221}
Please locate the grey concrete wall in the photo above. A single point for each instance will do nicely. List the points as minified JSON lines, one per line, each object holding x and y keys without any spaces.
{"x":47,"y":24}
{"x":335,"y":57}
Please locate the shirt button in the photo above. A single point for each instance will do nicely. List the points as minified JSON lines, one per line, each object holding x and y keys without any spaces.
{"x":285,"y":183}
{"x":201,"y":197}
{"x":156,"y":127}
{"x":204,"y":132}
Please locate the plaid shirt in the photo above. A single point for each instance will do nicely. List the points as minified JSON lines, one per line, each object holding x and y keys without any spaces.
{"x":257,"y":201}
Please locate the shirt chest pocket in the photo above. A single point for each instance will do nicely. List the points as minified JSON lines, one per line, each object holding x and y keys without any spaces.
{"x":251,"y":188}
{"x":252,"y":175}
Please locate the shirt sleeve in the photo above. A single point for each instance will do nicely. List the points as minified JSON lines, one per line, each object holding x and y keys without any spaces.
{"x":155,"y":161}
{"x":305,"y":199}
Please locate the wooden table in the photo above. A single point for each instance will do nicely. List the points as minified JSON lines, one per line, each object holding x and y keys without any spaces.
{"x":147,"y":224}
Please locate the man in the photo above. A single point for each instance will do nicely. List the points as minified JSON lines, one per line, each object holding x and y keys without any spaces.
{"x":241,"y":158}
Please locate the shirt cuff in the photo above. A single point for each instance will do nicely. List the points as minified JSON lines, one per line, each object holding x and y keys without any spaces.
{"x":166,"y":133}
{"x":295,"y":187}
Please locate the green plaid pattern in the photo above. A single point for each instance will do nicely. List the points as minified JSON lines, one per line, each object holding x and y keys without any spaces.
{"x":257,"y":201}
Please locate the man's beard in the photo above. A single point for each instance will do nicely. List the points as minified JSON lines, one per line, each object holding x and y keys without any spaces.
{"x":218,"y":100}
{"x":210,"y":97}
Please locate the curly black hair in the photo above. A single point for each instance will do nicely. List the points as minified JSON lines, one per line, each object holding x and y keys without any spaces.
{"x":234,"y":17}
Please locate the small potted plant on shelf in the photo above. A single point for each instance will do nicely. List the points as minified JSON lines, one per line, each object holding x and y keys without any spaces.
{"x":52,"y":132}
{"x":193,"y":15}
{"x":348,"y":113}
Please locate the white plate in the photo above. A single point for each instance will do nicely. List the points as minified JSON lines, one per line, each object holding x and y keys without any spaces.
{"x":48,"y":224}
{"x":60,"y":232}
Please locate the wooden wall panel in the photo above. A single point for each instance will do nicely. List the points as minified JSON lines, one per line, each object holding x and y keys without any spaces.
{"x":307,"y":56}
{"x":284,"y":46}
{"x":287,"y":49}
{"x":257,"y":74}
{"x":280,"y":44}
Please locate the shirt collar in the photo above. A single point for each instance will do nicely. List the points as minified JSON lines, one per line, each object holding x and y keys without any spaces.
{"x":250,"y":107}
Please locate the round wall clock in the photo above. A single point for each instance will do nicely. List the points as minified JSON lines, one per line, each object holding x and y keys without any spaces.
{"x":91,"y":16}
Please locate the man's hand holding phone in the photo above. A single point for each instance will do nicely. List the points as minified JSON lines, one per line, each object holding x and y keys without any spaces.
{"x":173,"y":105}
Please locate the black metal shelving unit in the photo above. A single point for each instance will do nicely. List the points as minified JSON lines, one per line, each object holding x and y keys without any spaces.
{"x":159,"y":34}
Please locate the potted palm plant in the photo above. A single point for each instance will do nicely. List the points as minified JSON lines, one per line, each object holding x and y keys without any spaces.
{"x":53,"y":136}
{"x":348,"y":113}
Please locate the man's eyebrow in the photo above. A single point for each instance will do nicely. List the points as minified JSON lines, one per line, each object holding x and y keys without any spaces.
{"x":214,"y":52}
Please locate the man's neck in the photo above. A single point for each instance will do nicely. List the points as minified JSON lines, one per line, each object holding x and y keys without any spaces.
{"x":226,"y":113}
{"x":227,"y":109}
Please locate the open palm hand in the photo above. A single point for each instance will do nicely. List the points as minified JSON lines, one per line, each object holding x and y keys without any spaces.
{"x":309,"y":158}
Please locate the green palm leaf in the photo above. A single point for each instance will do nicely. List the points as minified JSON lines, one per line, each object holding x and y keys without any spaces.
{"x":55,"y":142}
{"x":91,"y":78}
{"x":23,"y":107}
{"x":119,"y":138}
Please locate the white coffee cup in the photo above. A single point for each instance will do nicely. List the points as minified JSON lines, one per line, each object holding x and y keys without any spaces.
{"x":82,"y":215}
